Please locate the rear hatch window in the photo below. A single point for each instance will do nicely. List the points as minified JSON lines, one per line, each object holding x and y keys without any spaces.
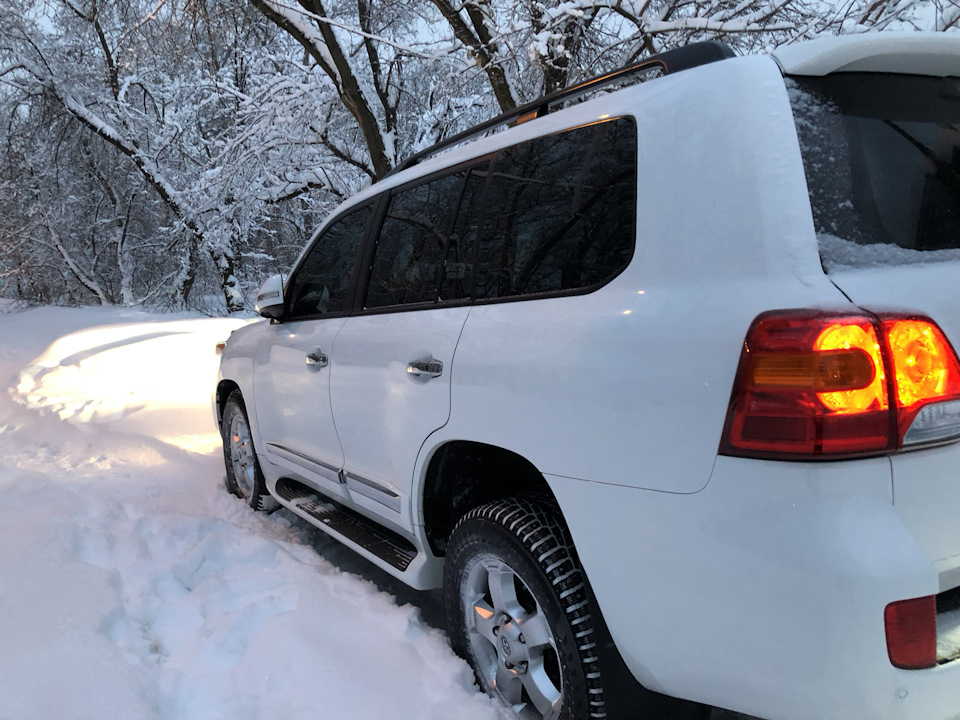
{"x":881,"y":154}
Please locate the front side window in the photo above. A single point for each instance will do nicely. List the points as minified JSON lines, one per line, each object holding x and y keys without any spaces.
{"x":559,"y":212}
{"x":881,"y":154}
{"x":322,"y":282}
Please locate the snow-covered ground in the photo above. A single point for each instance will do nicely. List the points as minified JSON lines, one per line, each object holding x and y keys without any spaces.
{"x":133,"y":586}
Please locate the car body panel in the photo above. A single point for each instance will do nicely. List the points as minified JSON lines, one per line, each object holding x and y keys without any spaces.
{"x":911,"y":53}
{"x":765,"y":592}
{"x":625,"y":369}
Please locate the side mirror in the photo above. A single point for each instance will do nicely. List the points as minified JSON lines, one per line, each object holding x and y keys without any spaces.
{"x":270,"y":297}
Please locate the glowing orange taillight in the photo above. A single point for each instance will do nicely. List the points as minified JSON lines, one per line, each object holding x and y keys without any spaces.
{"x":927,"y":378}
{"x":870,"y":393}
{"x":821,"y":384}
{"x":925,"y":365}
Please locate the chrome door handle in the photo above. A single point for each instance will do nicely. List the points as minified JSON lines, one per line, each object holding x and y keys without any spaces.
{"x":317,"y":359}
{"x":427,"y":367}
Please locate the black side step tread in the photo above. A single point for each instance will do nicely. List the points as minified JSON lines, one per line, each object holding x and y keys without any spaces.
{"x":386,"y":545}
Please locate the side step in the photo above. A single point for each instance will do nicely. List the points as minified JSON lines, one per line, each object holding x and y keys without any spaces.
{"x":376,"y":540}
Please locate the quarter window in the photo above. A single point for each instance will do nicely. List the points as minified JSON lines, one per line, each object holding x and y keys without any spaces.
{"x":322,"y":282}
{"x":559,"y":212}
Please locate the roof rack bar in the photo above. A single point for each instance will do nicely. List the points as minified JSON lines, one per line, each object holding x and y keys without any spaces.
{"x":672,"y":61}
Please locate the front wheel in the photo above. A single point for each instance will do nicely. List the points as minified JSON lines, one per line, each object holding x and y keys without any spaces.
{"x":244,"y":477}
{"x":518,"y":610}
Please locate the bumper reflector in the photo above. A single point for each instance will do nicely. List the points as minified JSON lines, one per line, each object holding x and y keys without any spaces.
{"x":911,"y":627}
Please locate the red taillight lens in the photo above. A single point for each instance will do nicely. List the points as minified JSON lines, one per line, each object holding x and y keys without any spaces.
{"x":816,"y":384}
{"x":911,"y":627}
{"x":925,"y":365}
{"x":810,"y":384}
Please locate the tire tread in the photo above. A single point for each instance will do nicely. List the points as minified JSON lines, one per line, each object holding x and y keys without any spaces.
{"x":543,"y":533}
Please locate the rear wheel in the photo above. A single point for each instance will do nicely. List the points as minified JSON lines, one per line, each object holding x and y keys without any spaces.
{"x":244,"y":478}
{"x":518,"y":610}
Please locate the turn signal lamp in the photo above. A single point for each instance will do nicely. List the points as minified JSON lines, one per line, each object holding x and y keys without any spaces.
{"x":815,"y":384}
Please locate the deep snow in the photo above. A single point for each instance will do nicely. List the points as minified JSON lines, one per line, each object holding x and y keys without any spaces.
{"x":133,"y":586}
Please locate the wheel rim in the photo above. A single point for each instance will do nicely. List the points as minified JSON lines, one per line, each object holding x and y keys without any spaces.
{"x":513,"y":647}
{"x":241,"y":455}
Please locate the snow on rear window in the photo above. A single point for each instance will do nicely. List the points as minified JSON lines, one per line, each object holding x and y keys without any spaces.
{"x":882,"y":159}
{"x":838,"y":254}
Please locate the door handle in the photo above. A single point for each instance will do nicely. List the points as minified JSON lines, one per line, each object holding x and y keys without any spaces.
{"x":317,"y":359}
{"x":425,"y":367}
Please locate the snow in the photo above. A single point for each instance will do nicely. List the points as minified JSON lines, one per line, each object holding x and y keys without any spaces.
{"x":839,"y":254}
{"x":948,"y":634}
{"x":133,"y":586}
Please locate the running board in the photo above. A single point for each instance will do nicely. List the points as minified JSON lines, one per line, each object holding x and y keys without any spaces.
{"x":342,"y":522}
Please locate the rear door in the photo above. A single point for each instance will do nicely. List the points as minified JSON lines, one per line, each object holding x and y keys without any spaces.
{"x":392,"y":364}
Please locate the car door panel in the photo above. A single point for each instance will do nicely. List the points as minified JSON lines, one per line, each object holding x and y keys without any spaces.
{"x":383,"y":411}
{"x":297,"y":424}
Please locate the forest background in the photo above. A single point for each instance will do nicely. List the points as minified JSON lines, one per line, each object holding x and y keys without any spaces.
{"x":171,"y":153}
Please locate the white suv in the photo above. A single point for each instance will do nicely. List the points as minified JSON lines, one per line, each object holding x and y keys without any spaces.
{"x":672,"y":367}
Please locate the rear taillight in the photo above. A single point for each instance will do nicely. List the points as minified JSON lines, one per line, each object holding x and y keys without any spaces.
{"x":927,"y":381}
{"x":817,"y":384}
{"x":911,"y":627}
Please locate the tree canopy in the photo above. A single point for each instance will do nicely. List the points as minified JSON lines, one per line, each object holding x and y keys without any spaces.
{"x":169,"y":153}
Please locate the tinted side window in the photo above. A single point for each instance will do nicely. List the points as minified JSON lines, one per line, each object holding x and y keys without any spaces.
{"x":560,"y":212}
{"x":409,"y":260}
{"x":323,"y":279}
{"x":458,"y":268}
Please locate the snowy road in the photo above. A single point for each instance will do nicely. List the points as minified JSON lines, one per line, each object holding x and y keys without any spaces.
{"x":133,"y":586}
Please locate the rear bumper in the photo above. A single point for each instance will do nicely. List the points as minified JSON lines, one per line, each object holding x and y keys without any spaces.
{"x":764,"y":592}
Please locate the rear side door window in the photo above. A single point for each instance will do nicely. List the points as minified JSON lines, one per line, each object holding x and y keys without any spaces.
{"x":419,"y":249}
{"x":322,"y":282}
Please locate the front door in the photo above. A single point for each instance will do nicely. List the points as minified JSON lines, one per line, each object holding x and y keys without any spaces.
{"x":292,"y":381}
{"x":292,"y":373}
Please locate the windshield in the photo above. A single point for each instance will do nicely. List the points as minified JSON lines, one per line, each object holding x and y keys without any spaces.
{"x":882,"y":158}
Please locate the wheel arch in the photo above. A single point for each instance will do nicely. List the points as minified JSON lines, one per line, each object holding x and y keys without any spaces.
{"x":224,"y":389}
{"x":463,"y":474}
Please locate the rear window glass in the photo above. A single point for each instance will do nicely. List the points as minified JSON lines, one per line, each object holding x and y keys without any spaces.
{"x":882,"y":159}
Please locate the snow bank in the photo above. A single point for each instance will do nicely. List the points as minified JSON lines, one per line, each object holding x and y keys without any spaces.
{"x":133,"y":586}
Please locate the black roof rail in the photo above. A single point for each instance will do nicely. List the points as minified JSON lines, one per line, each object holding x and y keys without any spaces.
{"x":672,"y":61}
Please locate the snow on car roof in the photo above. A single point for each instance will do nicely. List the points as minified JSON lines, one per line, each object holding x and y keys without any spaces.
{"x":914,"y":53}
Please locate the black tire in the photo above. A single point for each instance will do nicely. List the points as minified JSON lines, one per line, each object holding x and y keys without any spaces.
{"x":520,"y":548}
{"x":244,"y":477}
